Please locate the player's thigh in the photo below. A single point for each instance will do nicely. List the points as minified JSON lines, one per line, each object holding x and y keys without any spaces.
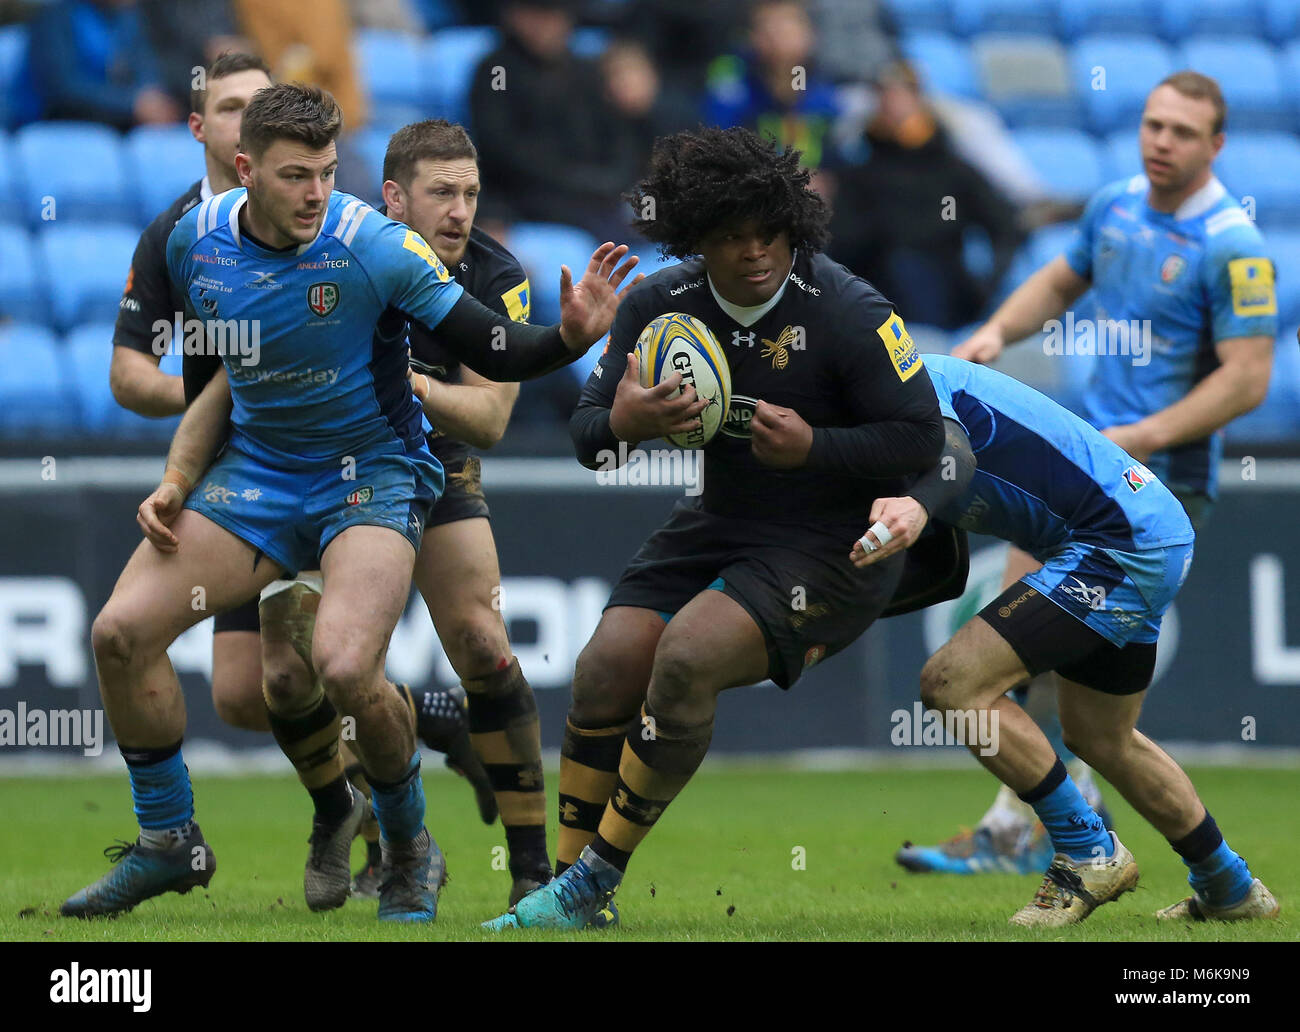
{"x":161,"y":594}
{"x":458,"y":575}
{"x":970,"y":671}
{"x":366,"y":572}
{"x":1100,"y":697}
{"x":1019,"y":563}
{"x":237,"y":679}
{"x":711,"y":643}
{"x":613,"y":669}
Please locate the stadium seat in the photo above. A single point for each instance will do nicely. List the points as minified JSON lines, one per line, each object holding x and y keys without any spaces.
{"x":1290,"y":70}
{"x":1277,"y":420}
{"x":13,"y":48}
{"x":449,"y":60}
{"x":164,"y":162}
{"x":944,"y":63}
{"x":22,"y":283}
{"x":922,"y":15}
{"x":1262,"y":170}
{"x":1121,"y":156}
{"x":1114,"y":74}
{"x":1068,"y":160}
{"x":589,"y":41}
{"x":1250,"y":75}
{"x":1027,"y":78}
{"x":1281,"y":20}
{"x":1284,"y":247}
{"x":1030,"y":16}
{"x":11,"y":202}
{"x":1081,"y":17}
{"x":372,"y":144}
{"x":87,"y":266}
{"x":1043,"y":245}
{"x":88,"y":354}
{"x":542,"y":247}
{"x":80,"y":167}
{"x":389,"y":63}
{"x":32,"y":392}
{"x":1180,"y":18}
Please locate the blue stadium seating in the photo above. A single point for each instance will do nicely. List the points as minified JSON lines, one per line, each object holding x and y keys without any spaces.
{"x":1284,"y":247}
{"x":1031,"y":16}
{"x":1290,"y":70}
{"x":390,"y":68}
{"x":1180,"y":18}
{"x":450,"y":58}
{"x":944,"y":62}
{"x":1250,"y":75}
{"x":22,"y":283}
{"x":589,"y":41}
{"x":1277,"y":420}
{"x":78,"y":164}
{"x":87,"y":266}
{"x":11,"y":202}
{"x":922,"y":15}
{"x":32,"y":393}
{"x":13,"y":48}
{"x":541,"y":248}
{"x":372,"y":145}
{"x":1027,"y":78}
{"x":164,"y":162}
{"x":1043,"y":245}
{"x":1266,"y":168}
{"x":1121,"y":156}
{"x":1068,"y":160}
{"x":1127,"y":66}
{"x":88,"y":354}
{"x":1082,"y":17}
{"x":1281,"y":20}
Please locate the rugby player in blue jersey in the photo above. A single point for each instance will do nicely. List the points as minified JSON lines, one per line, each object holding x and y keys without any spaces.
{"x":326,"y":467}
{"x":1181,"y":286}
{"x":1115,"y":546}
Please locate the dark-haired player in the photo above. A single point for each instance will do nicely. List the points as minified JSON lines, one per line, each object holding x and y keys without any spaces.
{"x":431,"y":184}
{"x":750,"y":580}
{"x":151,"y":300}
{"x":1115,"y":546}
{"x":326,"y":467}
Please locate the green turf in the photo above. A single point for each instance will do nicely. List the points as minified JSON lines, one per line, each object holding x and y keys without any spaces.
{"x":719,"y":866}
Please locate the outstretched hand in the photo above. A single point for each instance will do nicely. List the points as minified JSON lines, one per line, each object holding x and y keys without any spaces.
{"x":587,"y":307}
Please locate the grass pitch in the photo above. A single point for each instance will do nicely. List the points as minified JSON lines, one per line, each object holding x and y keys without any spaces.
{"x":723,"y":864}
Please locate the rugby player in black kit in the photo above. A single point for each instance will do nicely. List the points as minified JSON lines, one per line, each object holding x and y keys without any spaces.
{"x":750,"y":580}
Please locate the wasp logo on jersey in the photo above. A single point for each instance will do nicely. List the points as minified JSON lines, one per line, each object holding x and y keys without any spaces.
{"x":1252,"y":287}
{"x":779,"y":350}
{"x":898,"y":342}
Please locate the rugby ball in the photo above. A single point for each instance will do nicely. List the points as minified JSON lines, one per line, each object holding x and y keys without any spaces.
{"x":680,"y":343}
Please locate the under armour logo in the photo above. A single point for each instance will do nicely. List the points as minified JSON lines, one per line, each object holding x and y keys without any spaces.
{"x":748,"y":338}
{"x":568,"y":813}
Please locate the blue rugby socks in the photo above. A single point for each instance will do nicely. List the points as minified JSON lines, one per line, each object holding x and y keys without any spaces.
{"x":1218,"y":875}
{"x":1075,"y":827}
{"x":399,"y":805}
{"x":160,"y":788}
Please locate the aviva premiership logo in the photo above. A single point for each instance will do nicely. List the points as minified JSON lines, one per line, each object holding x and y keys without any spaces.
{"x":739,"y":413}
{"x":360,"y":496}
{"x":323,"y":298}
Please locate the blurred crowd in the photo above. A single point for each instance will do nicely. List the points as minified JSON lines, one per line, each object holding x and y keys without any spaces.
{"x":931,"y":199}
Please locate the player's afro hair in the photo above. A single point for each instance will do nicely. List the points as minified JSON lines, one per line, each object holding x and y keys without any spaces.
{"x":706,"y":178}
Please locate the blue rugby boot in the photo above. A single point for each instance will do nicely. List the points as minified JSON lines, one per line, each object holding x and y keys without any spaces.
{"x":140,"y":873}
{"x":415,"y":873}
{"x":575,"y":899}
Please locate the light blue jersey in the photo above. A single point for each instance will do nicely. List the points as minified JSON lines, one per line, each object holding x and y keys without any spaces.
{"x":1200,"y":274}
{"x":1114,"y":542}
{"x":312,"y":379}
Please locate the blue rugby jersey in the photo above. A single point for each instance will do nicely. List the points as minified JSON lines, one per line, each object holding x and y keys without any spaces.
{"x":1200,"y":274}
{"x":326,"y":382}
{"x":1044,"y":477}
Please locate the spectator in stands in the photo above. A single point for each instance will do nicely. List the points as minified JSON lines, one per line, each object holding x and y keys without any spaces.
{"x":302,"y":46}
{"x":648,"y":106}
{"x":856,"y":39}
{"x":683,"y":36}
{"x":904,"y":212}
{"x":552,"y":147}
{"x":188,"y":34}
{"x":773,"y":89}
{"x":91,"y":60}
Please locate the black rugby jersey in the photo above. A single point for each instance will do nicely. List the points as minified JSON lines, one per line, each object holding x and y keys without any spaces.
{"x":150,"y":295}
{"x":831,"y":348}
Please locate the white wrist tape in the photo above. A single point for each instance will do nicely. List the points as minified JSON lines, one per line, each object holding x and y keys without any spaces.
{"x":882,"y":535}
